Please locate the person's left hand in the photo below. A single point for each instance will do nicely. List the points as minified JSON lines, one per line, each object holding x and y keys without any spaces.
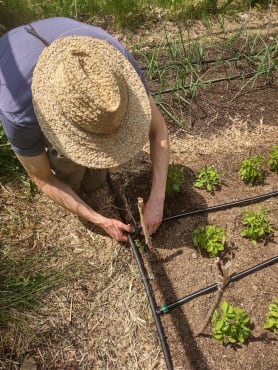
{"x":153,"y":213}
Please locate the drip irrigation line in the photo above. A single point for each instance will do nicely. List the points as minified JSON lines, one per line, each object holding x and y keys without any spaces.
{"x":144,"y":279}
{"x":201,"y":62}
{"x":211,"y":61}
{"x":165,"y":308}
{"x":153,"y":305}
{"x":238,"y":77}
{"x":223,"y":206}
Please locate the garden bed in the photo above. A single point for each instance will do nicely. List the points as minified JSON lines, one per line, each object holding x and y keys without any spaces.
{"x":228,"y":125}
{"x":94,"y":313}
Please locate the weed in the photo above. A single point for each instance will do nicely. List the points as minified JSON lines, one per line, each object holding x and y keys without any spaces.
{"x":10,"y":167}
{"x":139,"y":245}
{"x":210,"y":238}
{"x":273,"y":161}
{"x":23,"y":283}
{"x":231,"y":326}
{"x":208,"y":178}
{"x":271,"y":322}
{"x":175,"y":179}
{"x":255,"y":225}
{"x":251,"y":171}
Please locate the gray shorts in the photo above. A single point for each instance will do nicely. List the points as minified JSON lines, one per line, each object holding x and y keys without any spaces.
{"x":75,"y":175}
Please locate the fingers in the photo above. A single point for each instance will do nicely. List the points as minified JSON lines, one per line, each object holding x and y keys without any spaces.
{"x":152,"y":228}
{"x":118,"y":230}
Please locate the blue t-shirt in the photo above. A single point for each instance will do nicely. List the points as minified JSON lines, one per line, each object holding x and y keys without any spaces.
{"x":19,"y":52}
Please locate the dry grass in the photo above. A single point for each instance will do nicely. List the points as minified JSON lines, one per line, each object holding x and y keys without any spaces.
{"x":97,"y":316}
{"x":239,"y":136}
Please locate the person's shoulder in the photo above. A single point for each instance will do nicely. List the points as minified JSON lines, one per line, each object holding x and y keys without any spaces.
{"x":57,"y":21}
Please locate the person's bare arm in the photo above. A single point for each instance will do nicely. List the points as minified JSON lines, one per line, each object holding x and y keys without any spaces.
{"x":38,"y":168}
{"x":159,"y":150}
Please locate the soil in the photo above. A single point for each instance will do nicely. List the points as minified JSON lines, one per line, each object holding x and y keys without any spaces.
{"x":225,"y":125}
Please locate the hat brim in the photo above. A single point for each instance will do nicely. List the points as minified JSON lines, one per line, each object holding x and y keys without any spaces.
{"x":82,"y":147}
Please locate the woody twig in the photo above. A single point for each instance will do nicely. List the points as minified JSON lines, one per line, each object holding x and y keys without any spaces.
{"x":148,"y":239}
{"x":224,"y":281}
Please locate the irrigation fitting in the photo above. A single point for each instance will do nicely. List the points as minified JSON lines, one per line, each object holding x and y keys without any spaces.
{"x":165,"y":308}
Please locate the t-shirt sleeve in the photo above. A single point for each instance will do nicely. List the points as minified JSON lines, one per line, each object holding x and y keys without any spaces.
{"x":25,"y":140}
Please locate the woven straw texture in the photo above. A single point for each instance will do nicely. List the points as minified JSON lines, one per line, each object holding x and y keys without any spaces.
{"x":90,"y":102}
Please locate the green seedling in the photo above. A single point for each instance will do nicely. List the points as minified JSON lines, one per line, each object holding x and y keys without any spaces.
{"x":175,"y":179}
{"x":231,"y":326}
{"x":210,"y":238}
{"x":251,"y":171}
{"x":271,"y":322}
{"x":256,"y":226}
{"x":208,"y":178}
{"x":273,"y":161}
{"x":139,"y":245}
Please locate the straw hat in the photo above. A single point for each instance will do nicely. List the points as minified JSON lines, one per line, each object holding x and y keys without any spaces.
{"x":90,"y":102}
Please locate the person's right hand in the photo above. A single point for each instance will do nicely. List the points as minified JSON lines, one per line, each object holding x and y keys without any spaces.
{"x":117,"y":229}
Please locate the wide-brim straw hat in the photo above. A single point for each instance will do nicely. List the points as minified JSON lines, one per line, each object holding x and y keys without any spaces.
{"x":90,"y":102}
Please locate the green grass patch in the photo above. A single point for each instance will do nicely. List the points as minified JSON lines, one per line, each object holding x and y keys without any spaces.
{"x":10,"y":167}
{"x":124,"y":13}
{"x":24,"y":280}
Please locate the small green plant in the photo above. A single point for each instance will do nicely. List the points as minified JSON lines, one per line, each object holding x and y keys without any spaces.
{"x":256,"y":226}
{"x":273,"y":161}
{"x":210,"y":238}
{"x":174,"y":179}
{"x":139,"y":245}
{"x":251,"y":170}
{"x":208,"y":178}
{"x":271,"y":322}
{"x":231,"y":326}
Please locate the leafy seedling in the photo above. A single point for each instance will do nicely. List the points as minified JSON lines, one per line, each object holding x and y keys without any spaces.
{"x":175,"y":179}
{"x":208,"y":178}
{"x":251,"y":171}
{"x":231,"y":326}
{"x":271,"y":322}
{"x":256,"y":226}
{"x":273,"y":160}
{"x":209,"y":238}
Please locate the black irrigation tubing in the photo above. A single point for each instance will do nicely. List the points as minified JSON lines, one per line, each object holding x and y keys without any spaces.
{"x":144,"y":279}
{"x":238,"y":77}
{"x":211,"y":61}
{"x":201,"y":62}
{"x":153,"y":305}
{"x":217,"y":207}
{"x":165,"y":308}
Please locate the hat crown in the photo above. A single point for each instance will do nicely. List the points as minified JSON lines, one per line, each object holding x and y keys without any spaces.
{"x":90,"y":102}
{"x":90,"y":93}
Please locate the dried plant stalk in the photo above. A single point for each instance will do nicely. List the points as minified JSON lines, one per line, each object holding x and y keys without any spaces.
{"x":225,"y":279}
{"x":148,"y":239}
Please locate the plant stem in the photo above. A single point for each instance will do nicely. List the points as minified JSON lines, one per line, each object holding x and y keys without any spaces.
{"x":225,"y":279}
{"x":148,"y":239}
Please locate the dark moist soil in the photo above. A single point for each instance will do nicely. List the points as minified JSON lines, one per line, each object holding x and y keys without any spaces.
{"x":182,"y":270}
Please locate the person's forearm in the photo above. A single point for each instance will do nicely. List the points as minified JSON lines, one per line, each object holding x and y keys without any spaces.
{"x":160,"y":161}
{"x":62,"y":194}
{"x":38,"y":168}
{"x":159,"y":151}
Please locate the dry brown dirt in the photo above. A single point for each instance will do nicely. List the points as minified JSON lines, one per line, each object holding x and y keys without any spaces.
{"x":226,"y":127}
{"x":101,"y":319}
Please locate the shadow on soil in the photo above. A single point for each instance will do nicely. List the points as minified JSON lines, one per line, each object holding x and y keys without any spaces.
{"x":169,"y":237}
